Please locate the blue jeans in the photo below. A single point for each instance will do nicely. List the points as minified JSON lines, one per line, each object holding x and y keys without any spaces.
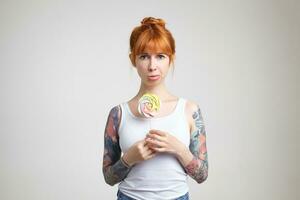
{"x":122,"y":196}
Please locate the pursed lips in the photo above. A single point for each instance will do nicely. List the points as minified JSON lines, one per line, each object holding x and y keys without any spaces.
{"x":153,"y":77}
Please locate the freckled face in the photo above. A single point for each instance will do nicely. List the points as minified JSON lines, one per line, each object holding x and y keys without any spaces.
{"x":152,"y":67}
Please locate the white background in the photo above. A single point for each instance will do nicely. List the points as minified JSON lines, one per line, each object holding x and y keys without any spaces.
{"x":64,"y":64}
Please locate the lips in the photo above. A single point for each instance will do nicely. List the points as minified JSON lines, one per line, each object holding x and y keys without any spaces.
{"x":153,"y":77}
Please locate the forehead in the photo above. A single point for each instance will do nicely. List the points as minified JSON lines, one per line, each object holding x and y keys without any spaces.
{"x":152,"y":52}
{"x":153,"y":47}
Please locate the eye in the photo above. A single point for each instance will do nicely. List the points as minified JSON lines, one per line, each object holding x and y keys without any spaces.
{"x":161,"y":56}
{"x":143,"y":57}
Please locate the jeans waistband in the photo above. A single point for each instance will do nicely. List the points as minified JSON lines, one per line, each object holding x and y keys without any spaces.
{"x":122,"y":196}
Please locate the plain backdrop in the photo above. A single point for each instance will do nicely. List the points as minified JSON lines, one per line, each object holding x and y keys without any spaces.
{"x":64,"y":65}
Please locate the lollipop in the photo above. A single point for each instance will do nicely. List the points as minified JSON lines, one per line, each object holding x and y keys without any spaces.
{"x":149,"y":105}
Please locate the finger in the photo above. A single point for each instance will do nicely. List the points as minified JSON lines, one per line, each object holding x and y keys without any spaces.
{"x":155,"y":142}
{"x":152,"y":155}
{"x":150,"y":151}
{"x":159,"y":149}
{"x":157,"y":132}
{"x":154,"y":147}
{"x":150,"y":146}
{"x":156,"y":137}
{"x":145,"y":143}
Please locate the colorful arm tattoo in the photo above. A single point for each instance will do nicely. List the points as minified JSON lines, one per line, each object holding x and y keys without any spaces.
{"x":198,"y":167}
{"x":114,"y":170}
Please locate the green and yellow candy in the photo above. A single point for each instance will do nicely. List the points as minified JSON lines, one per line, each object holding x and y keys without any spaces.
{"x":149,"y":105}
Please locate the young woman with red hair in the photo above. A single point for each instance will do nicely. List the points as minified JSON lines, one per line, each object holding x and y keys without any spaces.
{"x":155,"y":164}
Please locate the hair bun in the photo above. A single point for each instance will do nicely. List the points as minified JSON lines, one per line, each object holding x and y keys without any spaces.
{"x":153,"y":21}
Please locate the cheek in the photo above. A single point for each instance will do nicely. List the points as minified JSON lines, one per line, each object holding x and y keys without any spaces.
{"x":142,"y":64}
{"x":165,"y":69}
{"x":141,"y":70}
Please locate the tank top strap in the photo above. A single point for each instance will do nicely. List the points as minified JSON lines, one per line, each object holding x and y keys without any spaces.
{"x":123,"y":107}
{"x":124,"y":113}
{"x":180,"y":108}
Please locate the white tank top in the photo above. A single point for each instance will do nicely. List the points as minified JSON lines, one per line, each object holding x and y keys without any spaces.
{"x":161,"y":177}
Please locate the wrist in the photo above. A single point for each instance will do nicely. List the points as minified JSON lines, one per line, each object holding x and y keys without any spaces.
{"x":181,"y":151}
{"x":125,"y":161}
{"x":184,"y":156}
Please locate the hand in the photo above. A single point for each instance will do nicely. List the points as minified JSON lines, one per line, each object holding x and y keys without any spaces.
{"x":161,"y":141}
{"x":138,"y":152}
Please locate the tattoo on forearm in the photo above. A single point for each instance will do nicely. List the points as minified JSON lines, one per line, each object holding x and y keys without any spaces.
{"x":113,"y":169}
{"x":198,"y":167}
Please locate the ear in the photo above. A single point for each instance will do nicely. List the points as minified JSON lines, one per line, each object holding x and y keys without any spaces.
{"x":172,"y":58}
{"x":132,"y":59}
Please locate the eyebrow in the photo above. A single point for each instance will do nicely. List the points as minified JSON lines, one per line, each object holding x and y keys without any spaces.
{"x":149,"y":53}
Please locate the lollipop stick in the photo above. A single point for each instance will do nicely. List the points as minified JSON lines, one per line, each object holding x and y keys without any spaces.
{"x":148,"y":106}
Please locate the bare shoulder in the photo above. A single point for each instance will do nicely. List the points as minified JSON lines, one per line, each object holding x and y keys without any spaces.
{"x":191,"y":107}
{"x":115,"y":111}
{"x":115,"y":114}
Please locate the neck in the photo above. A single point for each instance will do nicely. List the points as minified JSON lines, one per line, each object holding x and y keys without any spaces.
{"x":159,"y":90}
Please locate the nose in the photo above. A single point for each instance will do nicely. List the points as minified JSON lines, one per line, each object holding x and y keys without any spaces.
{"x":152,"y":65}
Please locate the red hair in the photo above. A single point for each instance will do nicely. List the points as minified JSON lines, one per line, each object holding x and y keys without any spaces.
{"x":151,"y":36}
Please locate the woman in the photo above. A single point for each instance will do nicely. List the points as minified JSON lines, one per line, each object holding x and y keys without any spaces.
{"x":155,"y":163}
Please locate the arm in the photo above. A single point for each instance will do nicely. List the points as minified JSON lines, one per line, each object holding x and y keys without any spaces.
{"x":197,"y":168}
{"x":194,"y":158}
{"x":114,"y":169}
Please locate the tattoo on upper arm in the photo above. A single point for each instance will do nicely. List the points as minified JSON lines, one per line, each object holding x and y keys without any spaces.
{"x":111,"y":147}
{"x":113,"y":168}
{"x":198,"y":167}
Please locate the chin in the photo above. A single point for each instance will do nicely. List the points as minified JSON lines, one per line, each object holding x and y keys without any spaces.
{"x":150,"y":83}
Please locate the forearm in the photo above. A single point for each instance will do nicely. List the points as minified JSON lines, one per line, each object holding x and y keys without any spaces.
{"x":197,"y":169}
{"x":194,"y":167}
{"x":115,"y":173}
{"x":113,"y":168}
{"x":184,"y":156}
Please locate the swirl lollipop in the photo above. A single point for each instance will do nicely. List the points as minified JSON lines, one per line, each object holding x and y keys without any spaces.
{"x":149,"y":105}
